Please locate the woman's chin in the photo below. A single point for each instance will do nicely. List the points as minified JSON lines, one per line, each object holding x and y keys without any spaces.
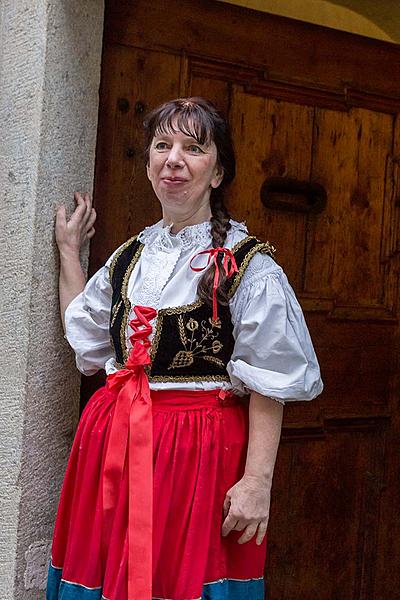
{"x":184,"y":202}
{"x":176,"y":198}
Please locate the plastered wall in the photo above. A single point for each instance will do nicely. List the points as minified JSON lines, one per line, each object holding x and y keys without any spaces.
{"x":49,"y":79}
{"x":380,"y":20}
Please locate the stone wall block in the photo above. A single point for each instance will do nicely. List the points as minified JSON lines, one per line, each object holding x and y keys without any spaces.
{"x":50,"y":53}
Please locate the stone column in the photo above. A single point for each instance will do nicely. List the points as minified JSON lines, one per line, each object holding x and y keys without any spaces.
{"x":50,"y":56}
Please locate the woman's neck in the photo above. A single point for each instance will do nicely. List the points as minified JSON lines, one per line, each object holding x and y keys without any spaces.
{"x":181,"y":221}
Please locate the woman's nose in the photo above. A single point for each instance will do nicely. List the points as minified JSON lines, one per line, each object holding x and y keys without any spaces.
{"x":175,"y":157}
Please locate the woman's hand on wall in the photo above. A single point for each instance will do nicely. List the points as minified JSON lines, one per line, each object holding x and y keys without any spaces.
{"x":72,"y":233}
{"x":246,"y":507}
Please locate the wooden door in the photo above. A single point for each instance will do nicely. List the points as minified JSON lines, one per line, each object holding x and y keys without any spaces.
{"x":312,"y":105}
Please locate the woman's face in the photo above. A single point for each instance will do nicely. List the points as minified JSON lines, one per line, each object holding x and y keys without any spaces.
{"x":182,"y":172}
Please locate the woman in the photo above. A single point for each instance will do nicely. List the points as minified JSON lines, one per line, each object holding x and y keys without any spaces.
{"x":167,"y":490}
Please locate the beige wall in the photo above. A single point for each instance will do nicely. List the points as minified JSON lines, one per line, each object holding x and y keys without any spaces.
{"x":50,"y":53}
{"x":378,"y":19}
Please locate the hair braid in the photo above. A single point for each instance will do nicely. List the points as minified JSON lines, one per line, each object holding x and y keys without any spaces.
{"x":220,"y":226}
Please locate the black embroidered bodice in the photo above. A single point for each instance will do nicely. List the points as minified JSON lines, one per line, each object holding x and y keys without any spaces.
{"x":188,"y":345}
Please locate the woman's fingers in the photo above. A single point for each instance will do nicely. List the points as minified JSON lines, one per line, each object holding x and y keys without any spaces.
{"x":229,"y":524}
{"x":91,"y":219}
{"x":232,"y":523}
{"x":227,"y":503}
{"x":248,"y":534}
{"x":251,"y":529}
{"x":248,"y":510}
{"x":88,"y":204}
{"x":79,"y":201}
{"x":61,"y":216}
{"x":89,"y":216}
{"x":83,"y":208}
{"x":80,"y":210}
{"x":61,"y":224}
{"x":262,"y":530}
{"x":72,"y":233}
{"x":240,"y":525}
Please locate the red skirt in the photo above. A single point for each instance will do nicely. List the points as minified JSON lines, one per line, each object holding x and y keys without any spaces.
{"x":199,"y":452}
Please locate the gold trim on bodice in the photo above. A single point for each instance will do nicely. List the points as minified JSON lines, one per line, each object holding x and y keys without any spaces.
{"x":192,"y":346}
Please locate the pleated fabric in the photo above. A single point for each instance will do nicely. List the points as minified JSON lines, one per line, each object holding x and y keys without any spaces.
{"x":199,"y":452}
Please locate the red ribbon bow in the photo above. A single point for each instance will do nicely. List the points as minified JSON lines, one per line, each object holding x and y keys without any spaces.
{"x":132,"y":432}
{"x":229,"y":265}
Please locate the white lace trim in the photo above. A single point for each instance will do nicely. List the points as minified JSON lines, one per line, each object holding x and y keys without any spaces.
{"x":155,"y":280}
{"x":151,"y":288}
{"x":160,"y":239}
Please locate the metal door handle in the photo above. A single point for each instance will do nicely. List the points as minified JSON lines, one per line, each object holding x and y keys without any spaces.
{"x":293,"y":195}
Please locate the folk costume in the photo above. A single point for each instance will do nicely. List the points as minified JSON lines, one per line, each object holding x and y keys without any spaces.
{"x":159,"y":445}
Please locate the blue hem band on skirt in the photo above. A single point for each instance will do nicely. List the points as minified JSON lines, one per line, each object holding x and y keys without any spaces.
{"x":223,"y":589}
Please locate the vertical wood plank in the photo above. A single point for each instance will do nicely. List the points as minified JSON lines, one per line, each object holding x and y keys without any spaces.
{"x":272,"y":138}
{"x":345,"y":242}
{"x":134,"y":82}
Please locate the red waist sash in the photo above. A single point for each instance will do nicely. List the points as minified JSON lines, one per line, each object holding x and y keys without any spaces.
{"x":132,"y":426}
{"x":131,"y":434}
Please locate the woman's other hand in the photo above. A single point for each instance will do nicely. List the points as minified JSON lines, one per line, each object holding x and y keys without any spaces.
{"x":246,"y":507}
{"x":71,"y":234}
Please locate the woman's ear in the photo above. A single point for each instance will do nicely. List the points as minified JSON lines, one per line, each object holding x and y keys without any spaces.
{"x":218,"y":176}
{"x":148,"y":170}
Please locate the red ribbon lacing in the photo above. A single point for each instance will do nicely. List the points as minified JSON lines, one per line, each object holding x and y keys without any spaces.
{"x":229,"y":265}
{"x":132,"y":433}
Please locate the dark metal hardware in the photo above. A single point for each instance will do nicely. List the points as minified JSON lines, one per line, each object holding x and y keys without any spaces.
{"x":139,"y":108}
{"x":123,"y":105}
{"x":292,"y":195}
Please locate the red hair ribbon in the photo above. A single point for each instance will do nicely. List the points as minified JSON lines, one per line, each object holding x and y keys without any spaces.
{"x":229,"y":265}
{"x":131,"y":438}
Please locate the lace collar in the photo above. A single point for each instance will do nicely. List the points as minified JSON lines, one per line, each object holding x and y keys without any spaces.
{"x":159,"y":237}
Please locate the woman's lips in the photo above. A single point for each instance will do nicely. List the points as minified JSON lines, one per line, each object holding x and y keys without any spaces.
{"x":174,"y":180}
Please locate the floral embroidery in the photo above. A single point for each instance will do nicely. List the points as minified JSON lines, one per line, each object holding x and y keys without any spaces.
{"x":201,"y":340}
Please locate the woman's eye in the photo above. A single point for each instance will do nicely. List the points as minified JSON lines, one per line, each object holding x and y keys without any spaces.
{"x":194,"y":148}
{"x":160,"y":146}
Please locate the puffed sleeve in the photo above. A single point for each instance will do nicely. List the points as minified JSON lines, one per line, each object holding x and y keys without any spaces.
{"x":87,"y":323}
{"x":273,"y":352}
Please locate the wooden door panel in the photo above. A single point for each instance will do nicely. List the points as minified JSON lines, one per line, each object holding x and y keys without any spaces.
{"x":272,"y":138}
{"x":272,"y":46}
{"x":282,"y":138}
{"x":313,"y":105}
{"x":337,"y":509}
{"x":358,"y":368}
{"x":216,"y":90}
{"x":355,"y":177}
{"x":133,"y":82}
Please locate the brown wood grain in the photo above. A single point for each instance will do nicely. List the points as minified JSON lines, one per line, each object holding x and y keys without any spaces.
{"x":336,"y":509}
{"x":128,"y":92}
{"x":271,"y":138}
{"x":313,"y":104}
{"x":283,"y":48}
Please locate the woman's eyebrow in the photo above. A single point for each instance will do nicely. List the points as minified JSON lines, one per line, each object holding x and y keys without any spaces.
{"x":166,"y":135}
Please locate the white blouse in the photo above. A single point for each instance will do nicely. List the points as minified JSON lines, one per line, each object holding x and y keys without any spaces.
{"x":273,"y":352}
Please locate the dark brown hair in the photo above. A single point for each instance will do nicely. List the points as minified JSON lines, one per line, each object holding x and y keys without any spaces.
{"x":200,"y":119}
